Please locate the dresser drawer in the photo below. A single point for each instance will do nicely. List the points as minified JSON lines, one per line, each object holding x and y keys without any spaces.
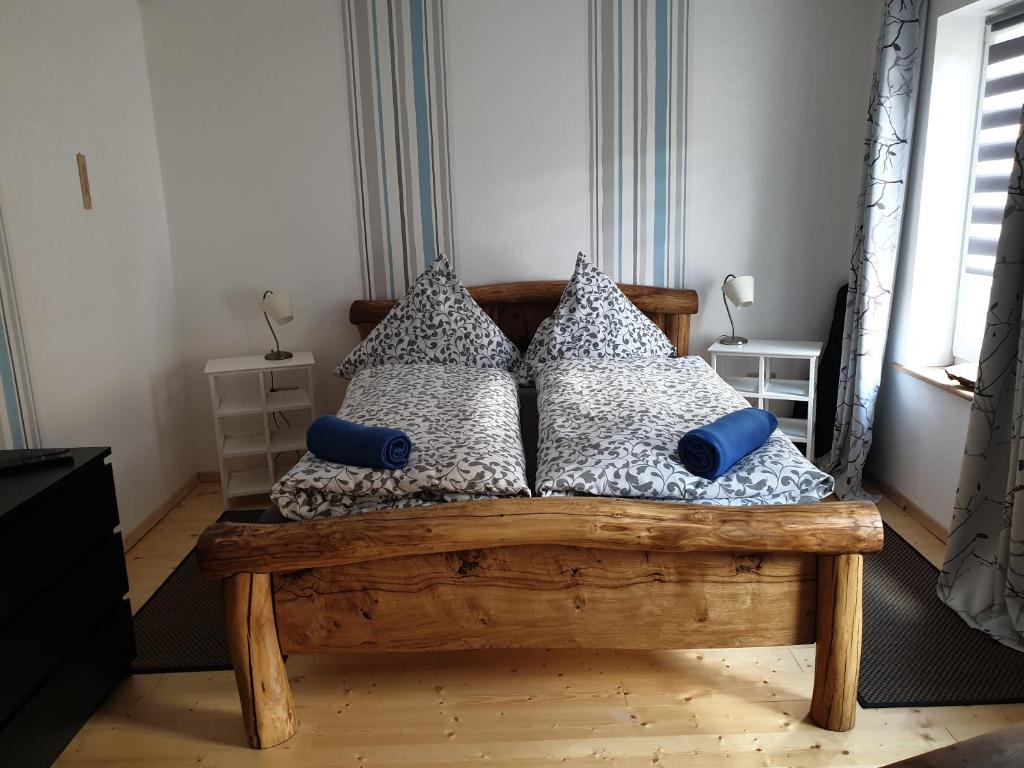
{"x":37,"y":638}
{"x":39,"y":731}
{"x":38,"y":548}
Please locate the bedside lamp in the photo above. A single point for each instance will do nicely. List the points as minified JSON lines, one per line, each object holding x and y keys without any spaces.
{"x":739,"y":291}
{"x":278,"y":306}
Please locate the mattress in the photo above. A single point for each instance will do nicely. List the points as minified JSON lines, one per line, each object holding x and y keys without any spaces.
{"x":611,"y":428}
{"x":464,"y":427}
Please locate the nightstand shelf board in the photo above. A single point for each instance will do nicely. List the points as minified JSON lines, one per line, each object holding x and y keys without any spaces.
{"x":243,"y":445}
{"x":797,"y":350}
{"x":248,"y":482}
{"x":745,"y":385}
{"x":786,"y":389}
{"x":255,"y":444}
{"x":256,"y":363}
{"x":243,"y":405}
{"x":773,"y":389}
{"x":794,"y":429}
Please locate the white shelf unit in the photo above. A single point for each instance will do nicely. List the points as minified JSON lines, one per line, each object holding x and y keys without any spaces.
{"x":764,"y":387}
{"x":265,"y":441}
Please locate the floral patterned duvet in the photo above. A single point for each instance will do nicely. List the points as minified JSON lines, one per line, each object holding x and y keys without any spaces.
{"x":611,"y":428}
{"x":464,"y":426}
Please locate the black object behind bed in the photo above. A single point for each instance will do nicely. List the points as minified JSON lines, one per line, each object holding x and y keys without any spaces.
{"x":529,"y":419}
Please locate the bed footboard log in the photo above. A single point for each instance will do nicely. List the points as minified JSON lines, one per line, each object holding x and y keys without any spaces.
{"x":837,"y":656}
{"x":549,"y":597}
{"x":597,"y":523}
{"x":256,"y":656}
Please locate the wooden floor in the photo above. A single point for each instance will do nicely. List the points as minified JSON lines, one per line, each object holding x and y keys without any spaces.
{"x":736,"y":708}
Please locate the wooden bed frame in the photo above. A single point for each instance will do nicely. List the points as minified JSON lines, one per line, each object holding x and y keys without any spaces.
{"x":544,"y":572}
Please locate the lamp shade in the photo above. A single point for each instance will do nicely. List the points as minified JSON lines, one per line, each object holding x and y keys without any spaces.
{"x":740,"y":291}
{"x":278,"y":305}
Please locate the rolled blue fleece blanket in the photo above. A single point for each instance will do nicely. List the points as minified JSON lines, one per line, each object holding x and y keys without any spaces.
{"x":711,"y":450}
{"x":344,"y":442}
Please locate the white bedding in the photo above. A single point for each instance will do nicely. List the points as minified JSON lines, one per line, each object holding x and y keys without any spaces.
{"x":464,"y":426}
{"x":611,"y":428}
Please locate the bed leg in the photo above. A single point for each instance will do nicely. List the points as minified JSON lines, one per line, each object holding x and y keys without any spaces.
{"x":837,"y":656}
{"x":256,"y":656}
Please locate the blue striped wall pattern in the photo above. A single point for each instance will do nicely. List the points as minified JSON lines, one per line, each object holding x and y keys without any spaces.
{"x":399,"y":86}
{"x":636,"y":137}
{"x":12,"y":434}
{"x":16,"y":431}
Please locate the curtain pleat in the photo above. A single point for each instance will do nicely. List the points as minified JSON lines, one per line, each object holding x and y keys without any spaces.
{"x":982,"y":578}
{"x":876,"y":239}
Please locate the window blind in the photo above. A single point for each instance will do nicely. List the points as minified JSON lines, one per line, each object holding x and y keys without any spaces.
{"x":998,"y":126}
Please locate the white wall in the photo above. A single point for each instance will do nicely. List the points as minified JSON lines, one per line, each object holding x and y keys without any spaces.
{"x":779,"y":94}
{"x":519,"y":120}
{"x":920,"y":432}
{"x":251,"y":108}
{"x":252,"y":122}
{"x":777,"y":101}
{"x":95,"y":288}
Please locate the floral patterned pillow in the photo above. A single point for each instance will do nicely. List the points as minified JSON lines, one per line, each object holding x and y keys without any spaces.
{"x":594,"y":320}
{"x":437,"y":321}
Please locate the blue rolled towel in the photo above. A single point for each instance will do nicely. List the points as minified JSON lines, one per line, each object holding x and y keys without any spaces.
{"x":345,"y":442}
{"x":711,"y":450}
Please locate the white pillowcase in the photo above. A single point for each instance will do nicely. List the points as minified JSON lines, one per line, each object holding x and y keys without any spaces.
{"x":593,"y":320}
{"x":437,"y":321}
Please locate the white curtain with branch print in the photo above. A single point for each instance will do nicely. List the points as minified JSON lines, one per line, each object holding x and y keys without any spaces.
{"x":982,"y":578}
{"x":876,"y":238}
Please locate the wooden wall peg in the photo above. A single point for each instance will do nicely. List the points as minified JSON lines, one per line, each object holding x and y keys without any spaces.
{"x":83,"y":179}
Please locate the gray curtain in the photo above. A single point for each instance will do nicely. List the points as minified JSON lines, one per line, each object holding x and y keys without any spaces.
{"x":876,"y":238}
{"x":982,"y":578}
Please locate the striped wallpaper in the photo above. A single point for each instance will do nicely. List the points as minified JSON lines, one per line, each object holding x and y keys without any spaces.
{"x":401,"y":138}
{"x":396,"y":60}
{"x":638,"y":116}
{"x":17,"y":425}
{"x":12,"y":435}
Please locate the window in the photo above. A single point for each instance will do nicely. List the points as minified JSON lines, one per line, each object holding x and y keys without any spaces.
{"x":998,"y":122}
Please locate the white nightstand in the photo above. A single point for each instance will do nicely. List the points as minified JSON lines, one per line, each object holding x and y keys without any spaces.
{"x":761,"y":387}
{"x":261,"y":409}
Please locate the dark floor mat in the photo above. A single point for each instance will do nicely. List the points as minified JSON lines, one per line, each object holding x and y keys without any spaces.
{"x":918,"y":652}
{"x":181,"y":627}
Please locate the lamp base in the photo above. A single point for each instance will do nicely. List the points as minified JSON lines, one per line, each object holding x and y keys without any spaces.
{"x":277,"y":354}
{"x":733,"y":340}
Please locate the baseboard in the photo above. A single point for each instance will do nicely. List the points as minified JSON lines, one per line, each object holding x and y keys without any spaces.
{"x":135,"y":535}
{"x":929,"y":523}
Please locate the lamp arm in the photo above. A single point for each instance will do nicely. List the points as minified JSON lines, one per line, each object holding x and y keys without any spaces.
{"x":725,"y":301}
{"x":277,"y":344}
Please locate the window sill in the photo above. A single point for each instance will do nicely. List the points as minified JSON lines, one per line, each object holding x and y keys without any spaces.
{"x":936,"y":376}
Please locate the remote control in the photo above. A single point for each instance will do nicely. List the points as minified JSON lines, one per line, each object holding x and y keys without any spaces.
{"x":39,"y":458}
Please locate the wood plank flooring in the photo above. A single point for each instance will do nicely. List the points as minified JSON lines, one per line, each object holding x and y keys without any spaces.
{"x":739,"y":708}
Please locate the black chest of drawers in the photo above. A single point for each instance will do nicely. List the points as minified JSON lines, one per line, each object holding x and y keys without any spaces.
{"x":66,"y":635}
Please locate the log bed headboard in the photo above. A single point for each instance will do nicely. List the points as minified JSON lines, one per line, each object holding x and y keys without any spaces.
{"x":519,"y":308}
